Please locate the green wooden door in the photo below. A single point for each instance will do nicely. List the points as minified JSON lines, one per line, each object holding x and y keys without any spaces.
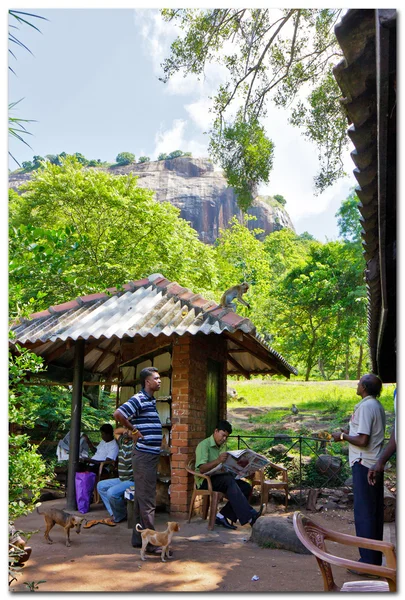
{"x":212,"y":407}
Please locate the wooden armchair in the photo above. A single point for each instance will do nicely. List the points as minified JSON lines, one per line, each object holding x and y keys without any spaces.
{"x":259,"y":478}
{"x":100,"y":475}
{"x":211,"y":499}
{"x":313,"y":537}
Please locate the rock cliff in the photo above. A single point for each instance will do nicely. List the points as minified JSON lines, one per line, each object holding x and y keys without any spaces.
{"x":201,"y":194}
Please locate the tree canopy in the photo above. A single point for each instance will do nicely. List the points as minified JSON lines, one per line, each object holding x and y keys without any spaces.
{"x":269,"y":54}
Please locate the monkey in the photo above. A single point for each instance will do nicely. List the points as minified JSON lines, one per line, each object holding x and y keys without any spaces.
{"x":234,"y":293}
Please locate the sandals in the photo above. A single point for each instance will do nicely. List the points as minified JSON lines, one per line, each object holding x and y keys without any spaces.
{"x":109,"y":521}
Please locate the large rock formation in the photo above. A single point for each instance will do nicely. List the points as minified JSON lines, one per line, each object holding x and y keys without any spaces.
{"x":201,"y":194}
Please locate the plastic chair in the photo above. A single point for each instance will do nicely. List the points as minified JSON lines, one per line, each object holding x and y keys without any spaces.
{"x":266,"y":485}
{"x":211,"y":499}
{"x":313,"y":537}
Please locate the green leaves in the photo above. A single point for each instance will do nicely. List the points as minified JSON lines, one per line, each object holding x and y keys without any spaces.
{"x":245,"y":154}
{"x":269,"y":55}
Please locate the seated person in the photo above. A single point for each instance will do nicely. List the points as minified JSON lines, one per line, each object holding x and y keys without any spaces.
{"x":106,"y":451}
{"x":62,"y":450}
{"x":112,"y":490}
{"x":212,"y":452}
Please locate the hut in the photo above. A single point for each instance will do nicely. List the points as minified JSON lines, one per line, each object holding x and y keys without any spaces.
{"x":106,"y":339}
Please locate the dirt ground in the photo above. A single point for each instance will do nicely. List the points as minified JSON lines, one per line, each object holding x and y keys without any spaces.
{"x":101,"y":559}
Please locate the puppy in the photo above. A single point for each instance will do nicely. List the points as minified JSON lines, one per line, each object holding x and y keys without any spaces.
{"x":54,"y":516}
{"x":158,"y":538}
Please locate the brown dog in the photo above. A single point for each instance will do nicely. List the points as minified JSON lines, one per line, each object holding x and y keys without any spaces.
{"x":158,"y":538}
{"x":54,"y":516}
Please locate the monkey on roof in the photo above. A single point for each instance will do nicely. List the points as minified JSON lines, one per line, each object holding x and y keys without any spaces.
{"x":234,"y":293}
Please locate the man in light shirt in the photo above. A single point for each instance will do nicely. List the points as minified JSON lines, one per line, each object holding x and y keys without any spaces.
{"x":366,"y":440}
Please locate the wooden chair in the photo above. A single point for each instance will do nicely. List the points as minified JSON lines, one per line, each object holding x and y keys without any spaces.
{"x":211,"y":499}
{"x":100,"y":475}
{"x":266,"y":485}
{"x":313,"y":537}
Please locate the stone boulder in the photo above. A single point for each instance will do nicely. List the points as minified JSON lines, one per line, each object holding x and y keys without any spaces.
{"x":199,"y":191}
{"x":328,"y":465}
{"x":277,"y":532}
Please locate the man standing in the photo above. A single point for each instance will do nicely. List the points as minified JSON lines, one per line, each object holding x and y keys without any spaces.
{"x":212,"y":452}
{"x":366,"y":439}
{"x":139,"y":414}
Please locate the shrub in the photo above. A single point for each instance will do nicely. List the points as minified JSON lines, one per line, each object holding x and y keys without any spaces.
{"x":143,"y":159}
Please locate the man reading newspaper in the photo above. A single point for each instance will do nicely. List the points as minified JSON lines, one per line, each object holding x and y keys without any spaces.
{"x":210,"y":455}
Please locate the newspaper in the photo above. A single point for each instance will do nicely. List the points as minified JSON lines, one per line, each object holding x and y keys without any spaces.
{"x":241,"y":463}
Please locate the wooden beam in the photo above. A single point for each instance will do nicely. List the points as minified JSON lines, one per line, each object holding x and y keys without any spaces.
{"x":239,"y":367}
{"x":104,"y":353}
{"x":252,"y":349}
{"x":75,"y":424}
{"x":66,"y":383}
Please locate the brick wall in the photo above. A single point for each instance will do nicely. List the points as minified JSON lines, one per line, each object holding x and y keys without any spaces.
{"x":189,"y":380}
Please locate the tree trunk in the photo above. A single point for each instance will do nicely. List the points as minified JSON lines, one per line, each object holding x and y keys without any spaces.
{"x":347,"y":376}
{"x":360,"y":361}
{"x":321,"y":369}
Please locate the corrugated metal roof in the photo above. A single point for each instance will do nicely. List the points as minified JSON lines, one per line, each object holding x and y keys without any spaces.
{"x":152,"y":306}
{"x":364,"y":79}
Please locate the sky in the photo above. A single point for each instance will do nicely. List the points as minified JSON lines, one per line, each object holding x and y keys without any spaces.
{"x":92,"y":86}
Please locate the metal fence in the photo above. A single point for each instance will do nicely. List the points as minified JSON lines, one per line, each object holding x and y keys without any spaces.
{"x":307,"y":446}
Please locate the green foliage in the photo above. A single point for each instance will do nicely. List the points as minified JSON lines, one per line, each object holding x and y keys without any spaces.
{"x":280,"y":199}
{"x":89,"y":230}
{"x":175,"y":154}
{"x":28,"y":475}
{"x":348,"y":219}
{"x":162,"y":156}
{"x":319,"y":308}
{"x":269,"y":55}
{"x":125,"y":158}
{"x":245,"y":154}
{"x":143,"y":159}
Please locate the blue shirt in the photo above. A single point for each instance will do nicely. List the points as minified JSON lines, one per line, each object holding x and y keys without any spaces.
{"x":141,"y":411}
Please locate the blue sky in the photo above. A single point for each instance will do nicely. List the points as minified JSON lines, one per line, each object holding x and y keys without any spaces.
{"x":92,"y":87}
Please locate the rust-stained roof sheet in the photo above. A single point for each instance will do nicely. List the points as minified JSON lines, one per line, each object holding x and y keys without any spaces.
{"x":151,"y":306}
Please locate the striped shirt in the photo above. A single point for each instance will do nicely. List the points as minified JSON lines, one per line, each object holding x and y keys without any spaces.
{"x":141,"y":411}
{"x":125,"y":458}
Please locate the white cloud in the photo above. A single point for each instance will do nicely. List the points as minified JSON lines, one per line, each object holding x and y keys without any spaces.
{"x":200,"y":114}
{"x":174,"y":139}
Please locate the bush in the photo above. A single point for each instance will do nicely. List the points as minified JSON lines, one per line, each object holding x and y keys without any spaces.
{"x":125,"y":158}
{"x":28,"y":474}
{"x":162,"y":156}
{"x":143,"y":159}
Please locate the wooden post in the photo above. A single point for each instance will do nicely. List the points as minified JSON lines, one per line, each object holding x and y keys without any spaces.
{"x":75,"y":423}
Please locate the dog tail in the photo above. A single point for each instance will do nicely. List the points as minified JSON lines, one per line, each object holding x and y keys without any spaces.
{"x":140,"y":527}
{"x":39,"y":512}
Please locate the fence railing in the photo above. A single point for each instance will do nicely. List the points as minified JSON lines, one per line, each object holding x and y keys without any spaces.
{"x":315,"y":445}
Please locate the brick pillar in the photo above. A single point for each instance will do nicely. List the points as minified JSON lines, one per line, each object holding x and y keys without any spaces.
{"x":189,"y":381}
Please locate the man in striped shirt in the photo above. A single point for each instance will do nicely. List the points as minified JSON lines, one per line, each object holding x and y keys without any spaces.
{"x":112,"y":490}
{"x":139,"y":414}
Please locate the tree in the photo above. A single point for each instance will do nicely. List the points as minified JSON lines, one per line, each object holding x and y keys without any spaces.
{"x":348,"y":218}
{"x":162,"y":156}
{"x":125,"y":158}
{"x":143,"y":159}
{"x":318,"y":309}
{"x":269,"y":54}
{"x":89,"y":230}
{"x":280,"y":199}
{"x":37,"y":161}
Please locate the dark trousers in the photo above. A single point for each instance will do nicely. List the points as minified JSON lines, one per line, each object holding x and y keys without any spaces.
{"x":144,"y":467}
{"x":368,"y":511}
{"x":237,"y":491}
